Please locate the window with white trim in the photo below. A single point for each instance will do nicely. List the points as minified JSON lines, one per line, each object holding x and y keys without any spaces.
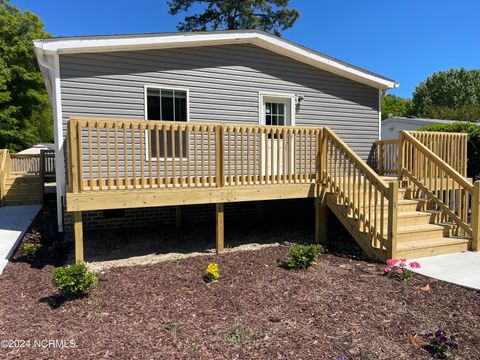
{"x":167,"y":105}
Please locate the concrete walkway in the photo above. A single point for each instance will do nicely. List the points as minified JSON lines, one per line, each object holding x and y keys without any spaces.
{"x":459,"y":268}
{"x":14,"y":222}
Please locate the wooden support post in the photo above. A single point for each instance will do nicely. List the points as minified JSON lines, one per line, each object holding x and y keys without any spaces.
{"x":392,"y":220}
{"x":380,"y":165}
{"x":178,"y":217}
{"x":220,"y":220}
{"x":476,"y":216}
{"x":78,"y":235}
{"x":321,"y":219}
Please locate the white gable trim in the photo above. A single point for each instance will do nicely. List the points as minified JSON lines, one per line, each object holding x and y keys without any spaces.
{"x":264,"y":40}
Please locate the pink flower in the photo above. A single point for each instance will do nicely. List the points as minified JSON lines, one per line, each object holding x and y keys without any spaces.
{"x":404,"y":260}
{"x":387,"y":269}
{"x":391,"y":262}
{"x":399,"y":270}
{"x":414,"y":265}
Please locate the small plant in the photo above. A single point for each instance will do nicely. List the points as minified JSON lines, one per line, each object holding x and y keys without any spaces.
{"x":303,"y":256}
{"x":212,"y":273}
{"x":398,"y":269}
{"x":236,"y":337}
{"x":73,"y":281}
{"x":441,"y":345}
{"x":31,"y":250}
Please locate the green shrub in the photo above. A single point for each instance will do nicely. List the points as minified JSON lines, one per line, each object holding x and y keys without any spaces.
{"x":74,"y":281}
{"x":303,"y":256}
{"x":30,"y":250}
{"x":473,"y":146}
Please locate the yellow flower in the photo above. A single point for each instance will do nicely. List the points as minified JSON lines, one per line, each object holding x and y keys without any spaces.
{"x":211,"y":273}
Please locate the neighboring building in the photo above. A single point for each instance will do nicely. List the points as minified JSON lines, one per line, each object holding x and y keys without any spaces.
{"x":36,"y":149}
{"x":392,"y":126}
{"x":244,"y":77}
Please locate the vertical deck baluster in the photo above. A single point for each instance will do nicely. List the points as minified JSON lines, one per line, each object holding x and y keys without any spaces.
{"x":99,"y":156}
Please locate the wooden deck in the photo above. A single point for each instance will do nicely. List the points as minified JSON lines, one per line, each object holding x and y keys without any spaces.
{"x":118,"y":163}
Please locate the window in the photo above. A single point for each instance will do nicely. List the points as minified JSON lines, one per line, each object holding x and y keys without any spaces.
{"x":274,"y":114}
{"x":167,"y":105}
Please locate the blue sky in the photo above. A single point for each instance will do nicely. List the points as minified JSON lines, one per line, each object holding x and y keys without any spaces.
{"x":406,"y":40}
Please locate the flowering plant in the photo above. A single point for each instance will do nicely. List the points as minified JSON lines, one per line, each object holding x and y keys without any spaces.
{"x":399,"y":270}
{"x":440,"y":344}
{"x":212,"y":273}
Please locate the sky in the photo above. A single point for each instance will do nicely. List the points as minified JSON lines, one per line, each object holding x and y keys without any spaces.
{"x":406,"y":40}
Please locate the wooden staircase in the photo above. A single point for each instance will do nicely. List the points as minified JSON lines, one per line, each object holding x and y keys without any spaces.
{"x":419,"y":233}
{"x":21,"y":179}
{"x":23,"y":190}
{"x":428,"y":209}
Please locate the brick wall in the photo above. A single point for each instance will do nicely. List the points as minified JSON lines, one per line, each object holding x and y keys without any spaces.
{"x":237,"y":213}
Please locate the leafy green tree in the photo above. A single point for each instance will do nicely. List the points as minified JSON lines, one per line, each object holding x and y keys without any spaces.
{"x":25,"y":111}
{"x":452,"y":94}
{"x":395,"y":106}
{"x":267,"y":15}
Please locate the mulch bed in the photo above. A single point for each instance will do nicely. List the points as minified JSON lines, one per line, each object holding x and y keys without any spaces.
{"x":258,"y":310}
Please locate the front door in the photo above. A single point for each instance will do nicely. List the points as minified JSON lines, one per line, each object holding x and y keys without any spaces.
{"x":276,"y":111}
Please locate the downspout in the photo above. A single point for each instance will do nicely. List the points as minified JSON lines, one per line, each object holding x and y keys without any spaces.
{"x":381,"y":94}
{"x":52,"y":73}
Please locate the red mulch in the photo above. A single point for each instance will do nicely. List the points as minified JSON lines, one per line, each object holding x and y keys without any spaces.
{"x":258,"y":310}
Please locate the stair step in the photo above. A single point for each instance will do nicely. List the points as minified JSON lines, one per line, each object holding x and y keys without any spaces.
{"x":435,"y":246}
{"x":421,"y":232}
{"x":411,"y":218}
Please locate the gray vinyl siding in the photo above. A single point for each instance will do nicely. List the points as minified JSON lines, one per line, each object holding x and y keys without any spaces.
{"x":223,"y":82}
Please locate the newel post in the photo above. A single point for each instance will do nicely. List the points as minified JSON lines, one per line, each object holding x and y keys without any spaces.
{"x":401,"y":156}
{"x":380,"y":165}
{"x":321,"y":220}
{"x":220,"y":182}
{"x":476,"y":216}
{"x":74,"y":185}
{"x":392,"y":220}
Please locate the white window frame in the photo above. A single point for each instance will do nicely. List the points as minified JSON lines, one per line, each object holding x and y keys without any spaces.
{"x":145,"y":104}
{"x":266,"y":94}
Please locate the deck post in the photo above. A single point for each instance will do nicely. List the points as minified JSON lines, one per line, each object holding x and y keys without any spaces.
{"x":321,"y":218}
{"x":476,"y":216}
{"x":380,"y":165}
{"x":220,"y":222}
{"x":392,"y":220}
{"x":78,"y":235}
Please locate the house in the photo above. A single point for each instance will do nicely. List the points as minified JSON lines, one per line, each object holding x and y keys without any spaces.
{"x":154,"y":121}
{"x":392,"y":126}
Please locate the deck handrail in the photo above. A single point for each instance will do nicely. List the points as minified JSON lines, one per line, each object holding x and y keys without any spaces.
{"x":450,"y":147}
{"x":448,"y":191}
{"x":4,"y":172}
{"x":121,"y":154}
{"x":365,"y":195}
{"x":25,"y":164}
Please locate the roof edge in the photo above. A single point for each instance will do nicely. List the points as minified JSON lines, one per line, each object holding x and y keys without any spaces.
{"x":90,"y":44}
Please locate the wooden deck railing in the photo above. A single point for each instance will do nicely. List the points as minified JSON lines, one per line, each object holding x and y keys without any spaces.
{"x":387,"y":157}
{"x":450,"y":147}
{"x":48,"y":162}
{"x":4,"y":172}
{"x":447,"y":191}
{"x":106,"y":154}
{"x":25,"y":164}
{"x":367,"y":198}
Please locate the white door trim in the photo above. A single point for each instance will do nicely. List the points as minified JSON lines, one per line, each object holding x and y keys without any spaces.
{"x":265,"y":94}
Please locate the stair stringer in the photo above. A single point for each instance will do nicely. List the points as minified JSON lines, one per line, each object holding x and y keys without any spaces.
{"x":362,"y":239}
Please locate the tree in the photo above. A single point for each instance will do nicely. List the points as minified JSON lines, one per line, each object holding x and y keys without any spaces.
{"x":268,"y":15}
{"x":25,"y":112}
{"x":452,"y":94}
{"x":395,"y":106}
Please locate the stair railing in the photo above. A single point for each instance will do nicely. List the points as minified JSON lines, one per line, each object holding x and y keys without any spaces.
{"x":452,"y":197}
{"x":363,"y":194}
{"x":4,"y":172}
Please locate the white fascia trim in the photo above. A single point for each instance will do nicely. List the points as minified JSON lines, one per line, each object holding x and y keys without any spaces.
{"x":278,"y":45}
